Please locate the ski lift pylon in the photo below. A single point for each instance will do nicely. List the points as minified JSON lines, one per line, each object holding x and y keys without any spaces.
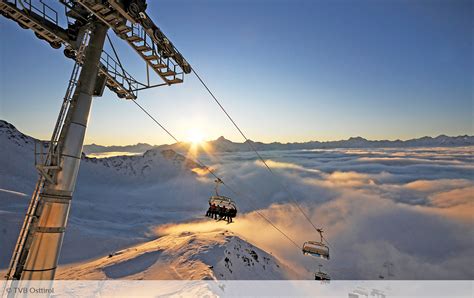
{"x":316,"y":248}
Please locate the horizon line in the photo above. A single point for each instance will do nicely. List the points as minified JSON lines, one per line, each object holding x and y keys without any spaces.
{"x":295,"y":142}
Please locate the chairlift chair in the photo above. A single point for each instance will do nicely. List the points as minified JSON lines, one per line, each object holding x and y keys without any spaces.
{"x":222,"y":201}
{"x":320,"y":275}
{"x":316,"y":249}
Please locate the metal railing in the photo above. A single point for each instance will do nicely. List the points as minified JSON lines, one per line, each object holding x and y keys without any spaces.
{"x":46,"y":153}
{"x":114,"y":69}
{"x":44,"y":10}
{"x":139,"y":31}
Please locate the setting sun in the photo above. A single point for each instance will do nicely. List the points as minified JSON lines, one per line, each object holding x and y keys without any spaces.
{"x":195,"y":137}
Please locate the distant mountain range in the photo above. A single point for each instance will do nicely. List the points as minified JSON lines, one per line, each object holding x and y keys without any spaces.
{"x":137,"y":148}
{"x":224,"y":145}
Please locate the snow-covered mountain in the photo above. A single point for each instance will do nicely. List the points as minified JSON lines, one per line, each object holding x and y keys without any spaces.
{"x":137,"y":148}
{"x":362,"y":198}
{"x":197,"y":256}
{"x":224,"y":145}
{"x":146,"y":164}
{"x":15,"y":142}
{"x":117,"y":204}
{"x":9,"y":132}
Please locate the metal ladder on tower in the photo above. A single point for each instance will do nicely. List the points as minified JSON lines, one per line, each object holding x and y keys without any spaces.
{"x":46,"y":162}
{"x":136,"y":36}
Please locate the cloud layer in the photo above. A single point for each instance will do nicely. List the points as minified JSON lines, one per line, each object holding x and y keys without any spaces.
{"x":409,"y":207}
{"x":413,"y":208}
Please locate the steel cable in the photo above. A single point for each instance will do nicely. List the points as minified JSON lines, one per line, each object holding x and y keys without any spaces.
{"x":255,"y":150}
{"x":215,"y":176}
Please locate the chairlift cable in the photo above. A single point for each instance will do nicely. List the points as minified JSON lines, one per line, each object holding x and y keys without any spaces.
{"x":174,"y":138}
{"x":215,"y":176}
{"x":327,"y":242}
{"x":238,"y":194}
{"x":156,"y":121}
{"x":254,"y":150}
{"x":263,"y":216}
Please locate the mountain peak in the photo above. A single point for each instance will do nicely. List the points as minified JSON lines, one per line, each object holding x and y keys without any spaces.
{"x":215,"y":255}
{"x":222,"y":139}
{"x":358,"y":138}
{"x":6,"y":124}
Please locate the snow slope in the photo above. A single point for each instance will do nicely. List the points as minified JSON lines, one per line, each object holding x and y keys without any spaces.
{"x":118,"y":201}
{"x":117,"y":205}
{"x":197,"y":256}
{"x":362,"y":197}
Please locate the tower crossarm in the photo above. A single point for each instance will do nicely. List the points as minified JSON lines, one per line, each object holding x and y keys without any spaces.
{"x":118,"y":80}
{"x":37,"y":16}
{"x":130,"y":22}
{"x":43,"y":21}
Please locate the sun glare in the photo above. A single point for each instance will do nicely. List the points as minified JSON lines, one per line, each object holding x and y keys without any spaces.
{"x":195,"y":137}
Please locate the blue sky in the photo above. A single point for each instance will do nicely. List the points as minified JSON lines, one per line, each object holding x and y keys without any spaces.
{"x":286,"y":70}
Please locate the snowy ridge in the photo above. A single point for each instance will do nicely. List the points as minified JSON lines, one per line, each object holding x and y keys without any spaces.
{"x":17,"y":159}
{"x":117,"y":204}
{"x":139,"y":165}
{"x":9,"y":132}
{"x":137,"y":148}
{"x":198,"y":256}
{"x":365,"y":197}
{"x":144,"y":165}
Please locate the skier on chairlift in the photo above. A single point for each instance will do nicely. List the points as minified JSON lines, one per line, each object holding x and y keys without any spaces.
{"x":221,"y":207}
{"x":223,"y":213}
{"x":213,"y":210}
{"x":231,"y":212}
{"x":209,"y":210}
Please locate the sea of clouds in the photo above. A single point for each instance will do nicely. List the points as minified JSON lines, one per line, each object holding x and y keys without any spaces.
{"x":412,"y":208}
